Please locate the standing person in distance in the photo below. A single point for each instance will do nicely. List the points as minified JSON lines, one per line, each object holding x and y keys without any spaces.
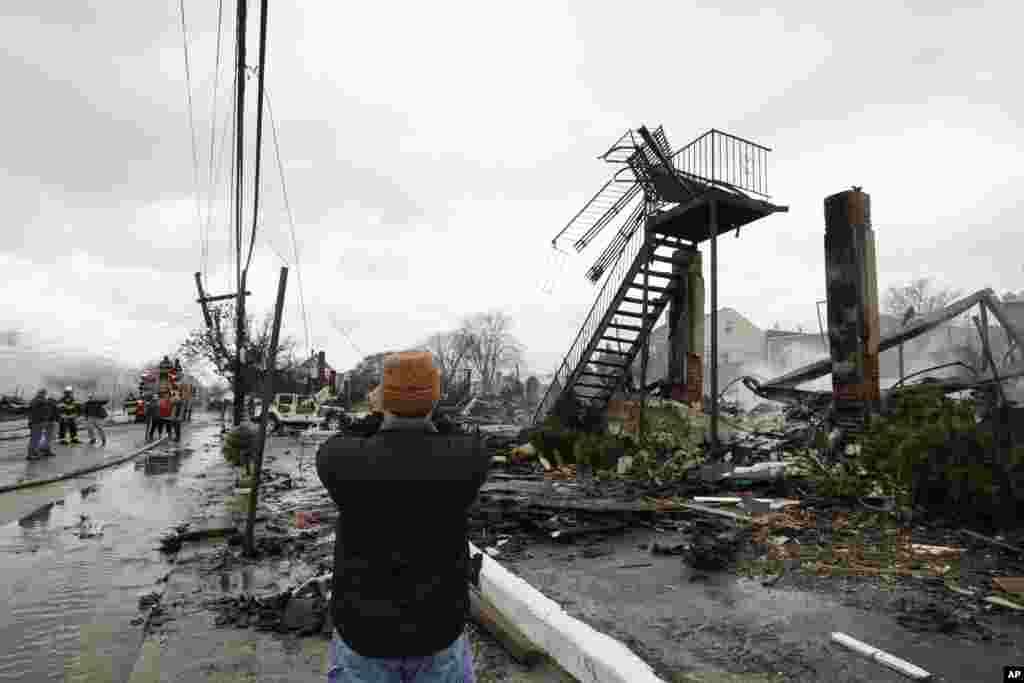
{"x":51,"y":424}
{"x":152,"y":416}
{"x":177,"y":409}
{"x":38,"y":418}
{"x":70,"y":409}
{"x":95,"y":413}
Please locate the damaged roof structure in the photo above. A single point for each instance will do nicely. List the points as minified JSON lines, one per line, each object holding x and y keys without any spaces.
{"x":785,"y":388}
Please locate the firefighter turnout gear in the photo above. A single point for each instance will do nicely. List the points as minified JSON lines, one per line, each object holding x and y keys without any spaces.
{"x":70,"y":409}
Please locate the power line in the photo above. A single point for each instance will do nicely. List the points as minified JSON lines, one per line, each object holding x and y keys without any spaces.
{"x":260,"y":88}
{"x":233,"y":178}
{"x":227,"y":127}
{"x":191,"y":127}
{"x":337,"y":325}
{"x":213,"y":135}
{"x":272,"y":248}
{"x":291,"y":219}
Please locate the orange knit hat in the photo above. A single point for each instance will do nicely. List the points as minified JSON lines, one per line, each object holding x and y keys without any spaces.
{"x":412,"y":385}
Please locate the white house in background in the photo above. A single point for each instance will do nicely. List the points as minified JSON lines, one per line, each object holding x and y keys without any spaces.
{"x":740,"y":341}
{"x":786,"y":350}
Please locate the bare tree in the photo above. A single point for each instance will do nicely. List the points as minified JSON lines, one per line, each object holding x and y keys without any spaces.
{"x":213,"y":346}
{"x":450,"y":350}
{"x":920,"y":295}
{"x":492,"y":346}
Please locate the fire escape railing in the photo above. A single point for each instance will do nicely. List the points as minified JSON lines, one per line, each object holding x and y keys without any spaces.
{"x":581,"y":347}
{"x":719,"y":158}
{"x":715,"y":158}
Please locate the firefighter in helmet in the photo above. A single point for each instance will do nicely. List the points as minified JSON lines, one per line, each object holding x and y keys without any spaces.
{"x":70,"y":409}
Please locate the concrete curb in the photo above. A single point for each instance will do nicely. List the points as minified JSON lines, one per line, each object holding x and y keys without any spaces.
{"x":84,"y":470}
{"x":584,"y":652}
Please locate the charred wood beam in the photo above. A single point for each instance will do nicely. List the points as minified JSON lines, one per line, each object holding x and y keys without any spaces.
{"x":786,"y":394}
{"x":950,"y":386}
{"x":999,"y":312}
{"x":982,"y":325}
{"x":923,"y":324}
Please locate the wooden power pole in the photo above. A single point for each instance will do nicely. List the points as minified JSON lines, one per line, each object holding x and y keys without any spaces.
{"x":215,"y":332}
{"x":240,"y":274}
{"x":268,"y":396}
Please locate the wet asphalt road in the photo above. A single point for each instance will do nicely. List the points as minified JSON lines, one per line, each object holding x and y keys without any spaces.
{"x":683,"y":620}
{"x":121,"y":440}
{"x":70,"y":601}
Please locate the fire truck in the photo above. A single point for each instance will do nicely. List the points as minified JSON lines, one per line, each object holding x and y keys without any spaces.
{"x":163,"y":381}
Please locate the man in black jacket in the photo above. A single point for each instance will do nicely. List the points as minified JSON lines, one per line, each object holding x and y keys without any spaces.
{"x":51,"y":424}
{"x":400,"y":596}
{"x":38,"y":417}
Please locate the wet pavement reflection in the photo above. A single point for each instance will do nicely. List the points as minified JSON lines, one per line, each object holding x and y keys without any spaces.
{"x":71,"y":595}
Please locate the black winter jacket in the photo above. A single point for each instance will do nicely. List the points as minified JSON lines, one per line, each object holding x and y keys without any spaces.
{"x":401,"y":555}
{"x":39,"y":411}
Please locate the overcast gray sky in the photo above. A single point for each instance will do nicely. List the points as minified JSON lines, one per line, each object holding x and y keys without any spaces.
{"x":432,"y":150}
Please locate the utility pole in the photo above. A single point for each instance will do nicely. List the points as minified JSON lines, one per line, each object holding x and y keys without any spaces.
{"x":240,"y":274}
{"x":268,"y":396}
{"x":214,"y":327}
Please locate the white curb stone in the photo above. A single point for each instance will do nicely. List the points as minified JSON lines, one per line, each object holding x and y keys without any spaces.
{"x":587,"y":654}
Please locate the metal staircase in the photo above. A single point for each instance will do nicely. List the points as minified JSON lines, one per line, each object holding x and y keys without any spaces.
{"x":615,"y":330}
{"x":636,"y":266}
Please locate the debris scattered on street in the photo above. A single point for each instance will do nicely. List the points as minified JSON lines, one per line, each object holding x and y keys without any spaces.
{"x":992,"y":541}
{"x":1010,"y":584}
{"x":87,"y":528}
{"x":148,"y":599}
{"x":1003,"y":602}
{"x":882,"y":657}
{"x":171,"y":543}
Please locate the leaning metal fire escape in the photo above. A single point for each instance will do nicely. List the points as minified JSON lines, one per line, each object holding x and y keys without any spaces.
{"x":667,"y":195}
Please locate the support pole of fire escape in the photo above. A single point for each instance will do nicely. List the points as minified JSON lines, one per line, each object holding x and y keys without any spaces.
{"x":713,"y":365}
{"x":644,"y":338}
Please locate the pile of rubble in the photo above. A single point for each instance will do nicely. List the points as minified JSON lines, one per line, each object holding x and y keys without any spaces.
{"x":303,"y":610}
{"x":496,"y":410}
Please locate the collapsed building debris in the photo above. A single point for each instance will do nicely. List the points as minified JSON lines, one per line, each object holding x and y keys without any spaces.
{"x":778,"y":387}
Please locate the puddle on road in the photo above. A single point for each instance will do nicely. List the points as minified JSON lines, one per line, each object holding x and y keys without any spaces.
{"x":70,"y":601}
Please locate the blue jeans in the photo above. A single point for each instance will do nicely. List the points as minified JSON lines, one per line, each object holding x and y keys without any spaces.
{"x":35,"y":439}
{"x":454,"y":664}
